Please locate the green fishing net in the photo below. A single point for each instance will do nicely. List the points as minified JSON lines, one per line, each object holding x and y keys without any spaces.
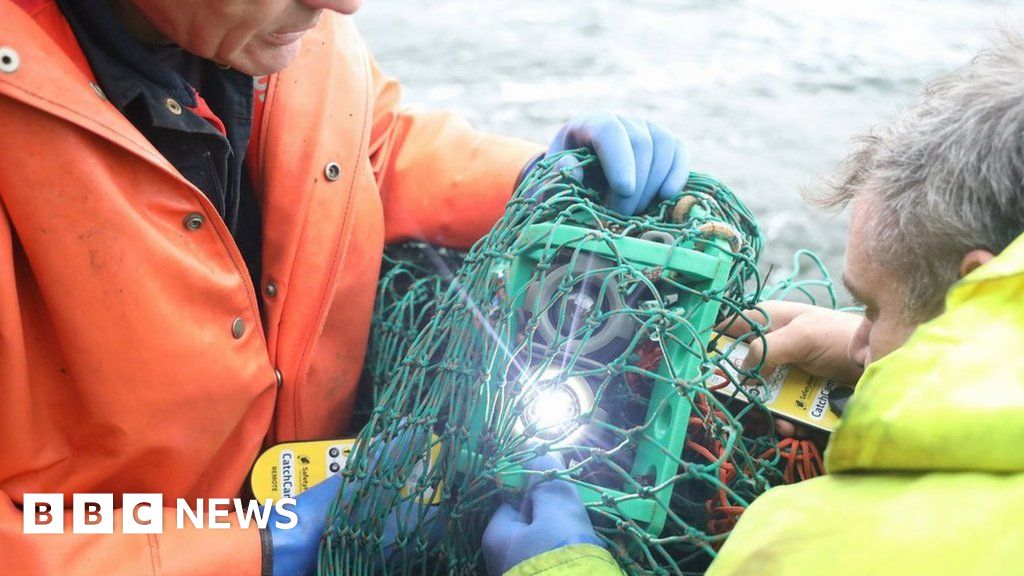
{"x":568,"y":329}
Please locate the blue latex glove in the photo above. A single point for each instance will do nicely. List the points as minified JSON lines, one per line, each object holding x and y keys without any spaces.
{"x":295,"y":549}
{"x":551,"y":515}
{"x":639,"y":161}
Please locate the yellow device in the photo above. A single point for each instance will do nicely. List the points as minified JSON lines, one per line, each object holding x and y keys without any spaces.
{"x":788,"y":391}
{"x":289,"y":469}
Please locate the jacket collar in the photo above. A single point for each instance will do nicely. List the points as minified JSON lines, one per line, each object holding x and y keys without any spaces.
{"x":108,"y":41}
{"x":48,"y":78}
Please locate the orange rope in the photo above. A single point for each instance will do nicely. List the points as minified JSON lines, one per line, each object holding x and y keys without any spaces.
{"x":803,"y":461}
{"x":722,"y":514}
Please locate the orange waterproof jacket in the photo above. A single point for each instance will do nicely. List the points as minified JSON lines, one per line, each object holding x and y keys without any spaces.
{"x":132,"y":354}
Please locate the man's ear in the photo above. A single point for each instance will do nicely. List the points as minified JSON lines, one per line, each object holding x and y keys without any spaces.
{"x":973,"y":259}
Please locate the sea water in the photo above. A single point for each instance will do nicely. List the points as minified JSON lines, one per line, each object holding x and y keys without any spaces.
{"x":767,"y":93}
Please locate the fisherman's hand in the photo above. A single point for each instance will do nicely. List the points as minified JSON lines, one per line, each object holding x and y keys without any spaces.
{"x":815,"y":339}
{"x":638,"y":161}
{"x":812,"y":338}
{"x":551,"y":515}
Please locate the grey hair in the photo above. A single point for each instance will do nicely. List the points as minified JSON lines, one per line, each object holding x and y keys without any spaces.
{"x":946,"y":177}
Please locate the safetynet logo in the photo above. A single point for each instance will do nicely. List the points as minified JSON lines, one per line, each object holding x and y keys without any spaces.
{"x":144,"y":513}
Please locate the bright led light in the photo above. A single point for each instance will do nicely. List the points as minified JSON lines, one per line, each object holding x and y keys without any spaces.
{"x":554,"y":405}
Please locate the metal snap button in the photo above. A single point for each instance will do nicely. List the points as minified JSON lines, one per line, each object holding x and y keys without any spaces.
{"x":173,"y":106}
{"x":238,"y":328}
{"x":271,"y":289}
{"x":332,"y":171}
{"x":279,"y":377}
{"x":194,"y":221}
{"x":9,"y":59}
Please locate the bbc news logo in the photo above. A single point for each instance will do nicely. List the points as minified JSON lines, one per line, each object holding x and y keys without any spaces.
{"x":144,"y":514}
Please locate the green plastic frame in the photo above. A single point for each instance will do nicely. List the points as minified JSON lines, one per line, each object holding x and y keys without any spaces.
{"x":668,"y":409}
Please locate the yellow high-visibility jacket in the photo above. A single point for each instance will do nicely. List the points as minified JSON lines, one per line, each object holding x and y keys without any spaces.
{"x":926,"y":469}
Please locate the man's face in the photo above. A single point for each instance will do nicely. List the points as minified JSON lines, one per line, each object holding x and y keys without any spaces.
{"x":254,"y":36}
{"x":878,"y":289}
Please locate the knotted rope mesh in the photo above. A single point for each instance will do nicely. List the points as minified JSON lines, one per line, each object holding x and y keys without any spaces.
{"x":571,"y":329}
